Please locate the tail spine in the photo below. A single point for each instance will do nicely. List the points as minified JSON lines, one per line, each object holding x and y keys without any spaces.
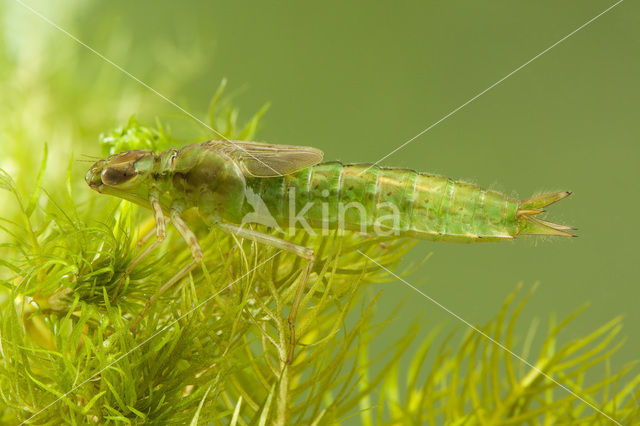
{"x":532,"y":225}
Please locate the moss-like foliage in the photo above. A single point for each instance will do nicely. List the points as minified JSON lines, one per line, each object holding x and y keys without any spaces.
{"x":213,"y":350}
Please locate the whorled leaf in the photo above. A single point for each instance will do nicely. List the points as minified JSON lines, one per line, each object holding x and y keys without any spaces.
{"x":213,"y":349}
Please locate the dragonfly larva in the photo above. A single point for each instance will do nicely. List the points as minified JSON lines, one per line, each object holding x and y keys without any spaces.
{"x":235,"y":182}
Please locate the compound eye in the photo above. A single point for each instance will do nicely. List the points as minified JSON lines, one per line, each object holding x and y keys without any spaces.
{"x":117,"y":174}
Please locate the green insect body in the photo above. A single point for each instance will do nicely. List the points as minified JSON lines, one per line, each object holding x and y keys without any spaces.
{"x":232,"y":183}
{"x":355,"y":196}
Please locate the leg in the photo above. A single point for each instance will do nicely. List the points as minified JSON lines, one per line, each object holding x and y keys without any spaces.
{"x":304,"y":252}
{"x":146,"y":237}
{"x":160,"y":236}
{"x":196,"y":252}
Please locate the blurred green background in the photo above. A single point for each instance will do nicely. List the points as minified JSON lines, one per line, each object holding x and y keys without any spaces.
{"x":357,"y":80}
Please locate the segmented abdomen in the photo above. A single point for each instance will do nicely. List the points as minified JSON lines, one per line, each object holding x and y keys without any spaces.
{"x":386,"y":200}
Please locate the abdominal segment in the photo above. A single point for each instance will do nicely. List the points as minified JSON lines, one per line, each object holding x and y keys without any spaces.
{"x":386,"y":201}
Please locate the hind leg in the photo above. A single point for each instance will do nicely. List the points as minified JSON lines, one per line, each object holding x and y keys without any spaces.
{"x":304,"y":252}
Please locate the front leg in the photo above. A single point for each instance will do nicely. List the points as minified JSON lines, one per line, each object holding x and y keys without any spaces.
{"x":196,"y":251}
{"x":304,"y":252}
{"x":160,"y":236}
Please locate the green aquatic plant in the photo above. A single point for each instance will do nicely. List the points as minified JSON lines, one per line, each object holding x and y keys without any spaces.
{"x":213,"y":350}
{"x":222,"y":335}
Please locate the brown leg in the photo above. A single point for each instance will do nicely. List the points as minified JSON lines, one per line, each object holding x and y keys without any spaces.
{"x":304,"y":252}
{"x":181,"y":273}
{"x":160,"y":236}
{"x":196,"y":252}
{"x":146,"y":237}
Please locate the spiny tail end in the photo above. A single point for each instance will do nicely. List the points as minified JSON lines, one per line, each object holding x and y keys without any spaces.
{"x":531,"y":225}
